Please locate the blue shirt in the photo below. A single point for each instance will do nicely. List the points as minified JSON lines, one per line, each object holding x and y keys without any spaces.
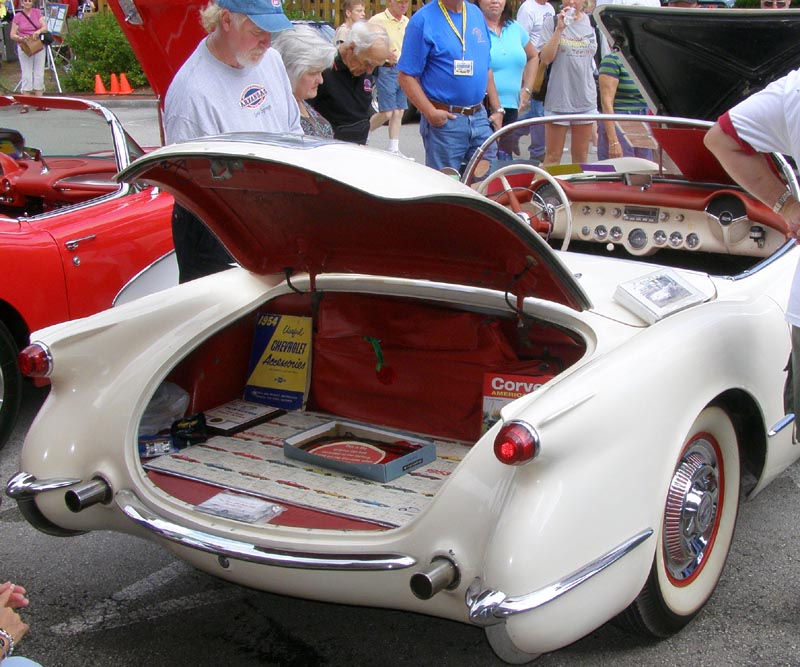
{"x":508,"y":61}
{"x":431,"y":47}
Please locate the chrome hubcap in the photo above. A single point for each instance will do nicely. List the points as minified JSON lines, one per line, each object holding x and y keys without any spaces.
{"x":693,"y":507}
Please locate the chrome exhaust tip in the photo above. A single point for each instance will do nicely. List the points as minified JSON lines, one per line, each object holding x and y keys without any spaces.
{"x":441,"y":574}
{"x":88,"y":494}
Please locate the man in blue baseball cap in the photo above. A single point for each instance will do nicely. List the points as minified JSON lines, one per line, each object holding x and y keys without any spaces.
{"x":232,"y":82}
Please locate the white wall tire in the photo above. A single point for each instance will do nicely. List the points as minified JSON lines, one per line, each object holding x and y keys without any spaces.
{"x":696,"y":532}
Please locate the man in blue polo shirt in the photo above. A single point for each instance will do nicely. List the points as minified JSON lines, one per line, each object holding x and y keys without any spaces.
{"x":445,"y":70}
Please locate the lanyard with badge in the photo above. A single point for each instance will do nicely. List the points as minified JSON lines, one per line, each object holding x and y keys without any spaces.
{"x":461,"y":67}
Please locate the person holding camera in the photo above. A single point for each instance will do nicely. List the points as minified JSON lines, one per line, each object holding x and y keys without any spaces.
{"x":26,"y":30}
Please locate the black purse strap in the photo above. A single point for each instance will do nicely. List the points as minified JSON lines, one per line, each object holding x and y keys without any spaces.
{"x":35,"y":27}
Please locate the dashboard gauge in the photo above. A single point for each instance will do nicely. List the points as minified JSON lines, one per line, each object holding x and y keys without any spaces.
{"x":616,"y":212}
{"x":549,"y":195}
{"x":637,"y":238}
{"x":586,"y":210}
{"x":600,"y":210}
{"x":615,"y":234}
{"x":663,"y":216}
{"x":675,"y":239}
{"x":600,"y":232}
{"x":692,"y":241}
{"x":660,"y":237}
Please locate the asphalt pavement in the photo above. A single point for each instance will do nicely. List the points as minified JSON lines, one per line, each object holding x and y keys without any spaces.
{"x":112,"y":600}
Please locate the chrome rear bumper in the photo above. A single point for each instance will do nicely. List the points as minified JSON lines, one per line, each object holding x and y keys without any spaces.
{"x":135,"y":510}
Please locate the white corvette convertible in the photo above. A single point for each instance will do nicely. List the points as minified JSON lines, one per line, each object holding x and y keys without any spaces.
{"x":529,"y":403}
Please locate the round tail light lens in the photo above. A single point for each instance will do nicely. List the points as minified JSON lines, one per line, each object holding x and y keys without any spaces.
{"x":35,"y":361}
{"x":516,"y":443}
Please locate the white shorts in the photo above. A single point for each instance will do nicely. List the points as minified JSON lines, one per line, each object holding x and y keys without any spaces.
{"x":590,"y":112}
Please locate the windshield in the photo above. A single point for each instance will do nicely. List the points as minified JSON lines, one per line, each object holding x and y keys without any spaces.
{"x":61,"y":132}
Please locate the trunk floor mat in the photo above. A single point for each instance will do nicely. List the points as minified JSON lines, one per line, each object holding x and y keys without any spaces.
{"x":252,"y":462}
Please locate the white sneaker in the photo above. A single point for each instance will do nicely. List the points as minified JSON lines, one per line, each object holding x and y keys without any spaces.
{"x":399,"y":154}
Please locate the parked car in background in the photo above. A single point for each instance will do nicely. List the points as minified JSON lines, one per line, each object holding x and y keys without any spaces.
{"x":71,"y":236}
{"x":598,"y":361}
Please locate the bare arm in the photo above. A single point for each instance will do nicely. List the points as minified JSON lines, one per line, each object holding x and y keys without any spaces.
{"x":608,"y":91}
{"x":495,"y":118}
{"x":549,"y":49}
{"x":528,"y":74}
{"x":753,"y":173}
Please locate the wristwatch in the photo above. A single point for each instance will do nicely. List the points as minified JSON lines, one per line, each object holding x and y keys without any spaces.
{"x":503,"y":111}
{"x":781,"y":201}
{"x":527,"y":90}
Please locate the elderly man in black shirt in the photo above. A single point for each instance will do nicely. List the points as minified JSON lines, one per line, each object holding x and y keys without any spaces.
{"x":345,"y":96}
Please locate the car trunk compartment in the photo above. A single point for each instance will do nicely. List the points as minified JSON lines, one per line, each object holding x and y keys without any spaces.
{"x":401,"y":363}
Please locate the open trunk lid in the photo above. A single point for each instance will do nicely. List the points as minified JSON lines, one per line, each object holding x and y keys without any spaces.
{"x":298,"y":204}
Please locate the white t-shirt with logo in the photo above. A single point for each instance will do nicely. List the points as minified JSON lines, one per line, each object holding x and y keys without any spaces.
{"x":770,"y":122}
{"x":531,"y":15}
{"x":208,"y":97}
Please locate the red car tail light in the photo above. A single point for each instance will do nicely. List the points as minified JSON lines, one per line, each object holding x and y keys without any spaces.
{"x":516,"y":443}
{"x":35,"y":361}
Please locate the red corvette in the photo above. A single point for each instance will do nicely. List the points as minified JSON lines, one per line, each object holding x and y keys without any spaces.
{"x":70,"y":236}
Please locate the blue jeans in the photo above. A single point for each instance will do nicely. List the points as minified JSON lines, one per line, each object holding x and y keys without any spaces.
{"x":453,"y":144}
{"x":627,"y":149}
{"x":390,"y":94}
{"x":536,"y":149}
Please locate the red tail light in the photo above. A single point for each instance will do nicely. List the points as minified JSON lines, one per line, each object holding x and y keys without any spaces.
{"x":516,"y":443}
{"x":35,"y":361}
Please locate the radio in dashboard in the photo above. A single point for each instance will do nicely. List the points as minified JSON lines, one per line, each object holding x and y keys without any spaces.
{"x":640,"y":214}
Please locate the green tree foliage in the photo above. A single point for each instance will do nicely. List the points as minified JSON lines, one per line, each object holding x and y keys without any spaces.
{"x":98,"y":46}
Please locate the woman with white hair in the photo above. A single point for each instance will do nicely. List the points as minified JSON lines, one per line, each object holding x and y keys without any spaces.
{"x":305,"y":55}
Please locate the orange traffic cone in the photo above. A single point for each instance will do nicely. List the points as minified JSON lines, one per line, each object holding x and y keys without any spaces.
{"x":99,"y":88}
{"x":124,"y":86}
{"x":114,"y":85}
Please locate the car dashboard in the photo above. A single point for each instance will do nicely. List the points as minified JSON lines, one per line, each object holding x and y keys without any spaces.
{"x":645,"y":215}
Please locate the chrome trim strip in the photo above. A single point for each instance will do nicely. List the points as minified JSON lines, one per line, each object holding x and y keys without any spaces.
{"x":488,"y":607}
{"x":774,"y":257}
{"x":25,"y":485}
{"x":135,"y":510}
{"x":781,"y":424}
{"x":565,"y":409}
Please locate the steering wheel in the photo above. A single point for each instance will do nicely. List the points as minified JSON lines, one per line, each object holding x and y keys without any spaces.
{"x":514,"y":203}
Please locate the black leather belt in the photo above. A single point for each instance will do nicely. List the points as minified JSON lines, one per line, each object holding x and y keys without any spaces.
{"x":452,"y":108}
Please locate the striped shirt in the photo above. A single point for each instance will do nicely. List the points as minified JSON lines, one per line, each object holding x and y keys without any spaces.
{"x":628,"y":97}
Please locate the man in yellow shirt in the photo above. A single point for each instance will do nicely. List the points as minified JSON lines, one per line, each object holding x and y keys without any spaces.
{"x":392,"y":101}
